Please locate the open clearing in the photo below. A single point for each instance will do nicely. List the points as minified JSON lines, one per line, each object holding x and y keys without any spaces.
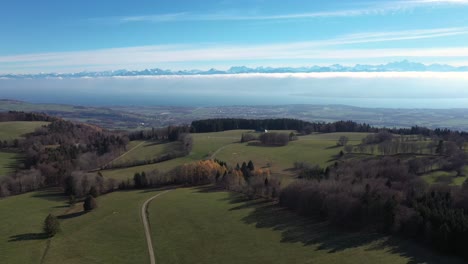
{"x":144,"y":150}
{"x":222,"y":227}
{"x":7,"y":162}
{"x":204,"y":145}
{"x":15,"y":129}
{"x":446,"y":177}
{"x":316,"y":149}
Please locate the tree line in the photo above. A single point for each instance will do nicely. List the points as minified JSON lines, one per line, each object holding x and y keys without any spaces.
{"x":22,"y":116}
{"x":170,"y":133}
{"x":52,"y":153}
{"x":305,"y":127}
{"x":62,"y":152}
{"x":223,"y":124}
{"x":383,"y":194}
{"x":245,"y":178}
{"x":183,"y":148}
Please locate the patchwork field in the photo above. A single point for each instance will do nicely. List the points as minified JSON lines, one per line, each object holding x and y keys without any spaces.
{"x":222,"y":227}
{"x":318,"y":149}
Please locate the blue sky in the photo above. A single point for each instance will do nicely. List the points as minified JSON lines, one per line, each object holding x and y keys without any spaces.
{"x":68,"y":36}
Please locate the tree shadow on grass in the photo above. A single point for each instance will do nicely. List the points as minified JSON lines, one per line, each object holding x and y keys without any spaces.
{"x":321,"y":235}
{"x":14,"y":163}
{"x":415,"y":253}
{"x":51,"y":195}
{"x":250,"y":204}
{"x":334,"y":158}
{"x":153,"y":189}
{"x":154,"y":143}
{"x":28,"y":236}
{"x":71,"y":215}
{"x":259,"y":144}
{"x":209,"y":189}
{"x":333,"y":147}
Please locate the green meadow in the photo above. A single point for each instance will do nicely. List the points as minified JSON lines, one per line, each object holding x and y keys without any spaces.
{"x":223,"y":227}
{"x":8,"y":162}
{"x":15,"y":129}
{"x":113,"y":233}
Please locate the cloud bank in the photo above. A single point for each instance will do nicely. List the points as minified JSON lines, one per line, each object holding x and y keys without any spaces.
{"x":336,"y":48}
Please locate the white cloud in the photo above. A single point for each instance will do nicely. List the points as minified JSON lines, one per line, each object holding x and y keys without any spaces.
{"x":462,"y":2}
{"x":154,"y":56}
{"x":376,"y":8}
{"x":312,"y":75}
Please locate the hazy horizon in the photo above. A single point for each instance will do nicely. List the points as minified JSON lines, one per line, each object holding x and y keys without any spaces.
{"x":384,"y":90}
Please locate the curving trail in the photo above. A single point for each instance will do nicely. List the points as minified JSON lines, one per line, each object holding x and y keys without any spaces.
{"x":141,"y":143}
{"x":144,"y":217}
{"x":218,"y":150}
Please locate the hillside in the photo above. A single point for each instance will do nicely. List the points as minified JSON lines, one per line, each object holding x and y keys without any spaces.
{"x":217,"y":225}
{"x":15,"y":129}
{"x":233,"y":207}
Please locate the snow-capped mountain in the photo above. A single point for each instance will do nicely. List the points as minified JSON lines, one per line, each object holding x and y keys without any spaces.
{"x":401,"y":66}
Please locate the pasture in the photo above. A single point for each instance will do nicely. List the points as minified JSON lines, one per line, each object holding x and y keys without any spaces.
{"x":204,"y":145}
{"x":318,"y":149}
{"x":15,"y":129}
{"x":144,"y":150}
{"x":113,"y":233}
{"x":8,"y":162}
{"x":223,"y":227}
{"x":446,"y":177}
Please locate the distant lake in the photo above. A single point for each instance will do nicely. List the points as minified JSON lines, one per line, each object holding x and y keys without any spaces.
{"x":375,"y":91}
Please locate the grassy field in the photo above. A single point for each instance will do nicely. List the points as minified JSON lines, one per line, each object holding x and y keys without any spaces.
{"x":111,"y":234}
{"x":12,"y":130}
{"x":317,"y":149}
{"x":221,"y":227}
{"x":446,"y":177}
{"x":144,"y":150}
{"x":204,"y":145}
{"x":21,"y":221}
{"x":7,"y":162}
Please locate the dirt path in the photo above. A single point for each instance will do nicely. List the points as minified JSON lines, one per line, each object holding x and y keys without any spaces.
{"x":144,"y":217}
{"x":130,"y":150}
{"x":103,"y":166}
{"x":218,"y":150}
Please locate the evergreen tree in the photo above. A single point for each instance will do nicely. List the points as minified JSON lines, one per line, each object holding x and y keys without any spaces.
{"x":440,"y":147}
{"x":137,"y":180}
{"x":51,"y":225}
{"x":251,"y":166}
{"x":144,"y":180}
{"x":90,"y":203}
{"x":93,"y":192}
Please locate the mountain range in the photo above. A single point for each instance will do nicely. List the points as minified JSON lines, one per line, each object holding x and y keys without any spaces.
{"x":401,"y":66}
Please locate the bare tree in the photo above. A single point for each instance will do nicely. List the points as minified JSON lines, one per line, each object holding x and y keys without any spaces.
{"x":342,"y":141}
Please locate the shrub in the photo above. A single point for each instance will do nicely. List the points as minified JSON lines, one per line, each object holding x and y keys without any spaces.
{"x":51,"y":225}
{"x":90,"y":203}
{"x":93,"y":192}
